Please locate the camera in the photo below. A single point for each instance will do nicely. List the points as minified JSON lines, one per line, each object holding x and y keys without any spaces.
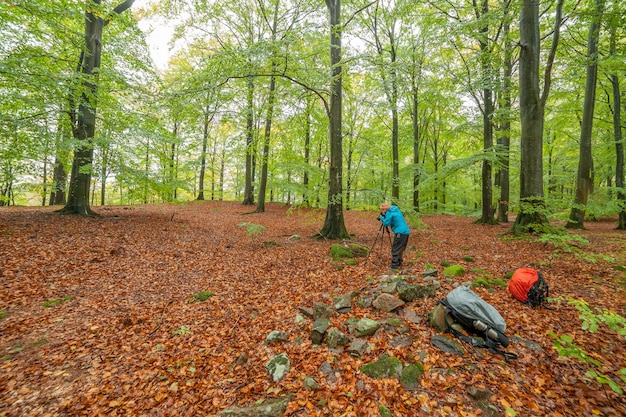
{"x":380,"y":216}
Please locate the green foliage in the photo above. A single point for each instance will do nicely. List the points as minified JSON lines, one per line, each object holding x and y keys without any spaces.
{"x":565,"y":346}
{"x":3,"y":314}
{"x":181,"y":331}
{"x":592,"y":319}
{"x":468,"y":258}
{"x":202,"y":295}
{"x":561,"y":239}
{"x":252,"y":229}
{"x":384,"y":411}
{"x":57,"y":301}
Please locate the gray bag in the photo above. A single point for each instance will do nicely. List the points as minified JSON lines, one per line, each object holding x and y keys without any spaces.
{"x":468,"y":304}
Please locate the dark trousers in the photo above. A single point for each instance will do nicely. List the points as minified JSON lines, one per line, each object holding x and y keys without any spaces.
{"x":397,"y":249}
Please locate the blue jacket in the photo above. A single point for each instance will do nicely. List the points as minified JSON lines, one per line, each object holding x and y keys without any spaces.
{"x":394,"y":218}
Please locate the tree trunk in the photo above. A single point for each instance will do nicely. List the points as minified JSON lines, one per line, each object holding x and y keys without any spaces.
{"x":78,"y":192}
{"x":485,"y":62}
{"x":334,"y":226}
{"x":505,"y":139}
{"x":205,"y":142}
{"x":260,"y":208}
{"x":617,"y":132}
{"x":248,"y":194}
{"x":532,"y":103}
{"x":59,"y":183}
{"x":307,"y":153}
{"x":416,"y":70}
{"x":584,"y":181}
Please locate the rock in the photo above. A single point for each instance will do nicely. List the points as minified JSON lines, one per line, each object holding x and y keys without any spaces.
{"x":358,"y":249}
{"x":364,"y":302}
{"x":336,"y":338}
{"x":410,"y":376}
{"x":327,"y":369}
{"x":343,"y":303}
{"x":388,"y":287}
{"x":267,"y":408}
{"x":308,"y":312}
{"x":532,"y":345}
{"x":278,"y":367}
{"x":321,"y":310}
{"x":479,"y":394}
{"x":387,"y":302}
{"x":430,"y":272}
{"x":404,"y":340}
{"x":411,"y":315}
{"x":310,"y":384}
{"x":366,"y":327}
{"x":386,"y":366}
{"x":276,"y":336}
{"x":319,"y":329}
{"x":358,"y":347}
{"x":454,"y":271}
{"x":437,"y":318}
{"x":447,"y":345}
{"x":338,"y":252}
{"x":410,"y":292}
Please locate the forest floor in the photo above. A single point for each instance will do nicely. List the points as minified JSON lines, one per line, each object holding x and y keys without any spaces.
{"x":98,"y":315}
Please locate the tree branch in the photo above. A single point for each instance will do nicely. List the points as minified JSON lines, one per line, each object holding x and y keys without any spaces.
{"x":547,"y":80}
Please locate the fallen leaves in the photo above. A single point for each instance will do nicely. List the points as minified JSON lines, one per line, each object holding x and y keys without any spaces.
{"x":141,"y":335}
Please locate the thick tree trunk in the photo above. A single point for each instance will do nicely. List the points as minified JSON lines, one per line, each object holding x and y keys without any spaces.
{"x":584,"y":180}
{"x":334,"y":226}
{"x":78,"y":192}
{"x":505,"y":139}
{"x":531,"y":216}
{"x":487,"y":216}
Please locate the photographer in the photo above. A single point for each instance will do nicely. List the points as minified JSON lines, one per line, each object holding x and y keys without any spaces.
{"x":390,"y":215}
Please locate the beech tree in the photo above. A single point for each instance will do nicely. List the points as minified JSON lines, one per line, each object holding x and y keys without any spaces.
{"x":532,"y":99}
{"x":585,"y":178}
{"x":334,"y":226}
{"x":85,"y":127}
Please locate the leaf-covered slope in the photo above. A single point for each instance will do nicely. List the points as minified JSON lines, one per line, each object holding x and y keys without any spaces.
{"x":125,"y":335}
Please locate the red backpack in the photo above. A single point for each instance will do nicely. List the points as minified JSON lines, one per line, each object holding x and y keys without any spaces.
{"x":529,"y":286}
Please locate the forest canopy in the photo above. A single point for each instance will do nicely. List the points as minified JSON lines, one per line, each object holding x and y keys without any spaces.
{"x":428,"y":115}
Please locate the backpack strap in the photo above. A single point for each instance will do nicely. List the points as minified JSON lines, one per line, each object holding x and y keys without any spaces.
{"x":538,"y":294}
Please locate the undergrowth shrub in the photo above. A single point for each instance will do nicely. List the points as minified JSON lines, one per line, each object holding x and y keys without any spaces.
{"x":591,"y":320}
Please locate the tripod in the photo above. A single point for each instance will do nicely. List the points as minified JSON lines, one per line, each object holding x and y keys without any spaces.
{"x":382,"y":230}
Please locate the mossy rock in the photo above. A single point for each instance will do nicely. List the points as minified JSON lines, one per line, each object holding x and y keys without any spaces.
{"x":338,"y":252}
{"x":484,"y":282}
{"x":410,"y":376}
{"x":385,"y":367}
{"x":358,"y":250}
{"x":454,"y":271}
